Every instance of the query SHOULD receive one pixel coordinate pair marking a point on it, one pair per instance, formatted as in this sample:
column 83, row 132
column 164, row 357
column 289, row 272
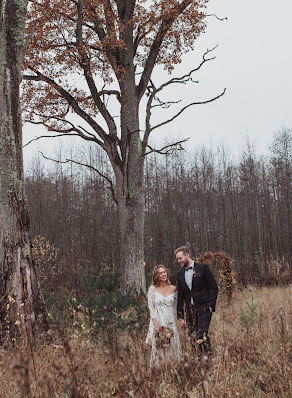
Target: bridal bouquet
column 163, row 336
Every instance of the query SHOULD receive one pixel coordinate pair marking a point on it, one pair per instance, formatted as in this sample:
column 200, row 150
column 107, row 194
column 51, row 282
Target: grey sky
column 253, row 61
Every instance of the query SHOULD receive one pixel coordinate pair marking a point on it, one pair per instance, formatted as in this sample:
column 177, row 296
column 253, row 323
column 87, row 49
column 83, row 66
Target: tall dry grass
column 249, row 360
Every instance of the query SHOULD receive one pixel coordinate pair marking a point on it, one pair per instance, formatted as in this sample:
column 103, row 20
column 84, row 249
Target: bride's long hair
column 155, row 275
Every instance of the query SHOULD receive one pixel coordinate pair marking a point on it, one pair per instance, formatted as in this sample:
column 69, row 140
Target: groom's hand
column 182, row 323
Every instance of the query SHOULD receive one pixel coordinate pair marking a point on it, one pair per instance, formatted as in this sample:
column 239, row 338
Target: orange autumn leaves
column 101, row 39
column 226, row 271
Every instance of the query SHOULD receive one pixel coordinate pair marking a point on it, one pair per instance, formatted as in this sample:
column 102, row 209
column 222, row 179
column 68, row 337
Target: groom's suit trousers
column 198, row 325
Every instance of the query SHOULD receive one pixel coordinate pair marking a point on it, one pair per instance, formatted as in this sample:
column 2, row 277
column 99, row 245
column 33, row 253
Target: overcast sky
column 254, row 63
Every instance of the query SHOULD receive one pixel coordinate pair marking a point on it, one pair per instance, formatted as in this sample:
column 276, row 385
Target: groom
column 198, row 290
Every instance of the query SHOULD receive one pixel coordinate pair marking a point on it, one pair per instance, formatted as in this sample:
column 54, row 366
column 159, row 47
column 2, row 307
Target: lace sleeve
column 151, row 302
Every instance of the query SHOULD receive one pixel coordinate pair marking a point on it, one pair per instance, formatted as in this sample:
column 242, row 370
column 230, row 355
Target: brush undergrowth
column 251, row 337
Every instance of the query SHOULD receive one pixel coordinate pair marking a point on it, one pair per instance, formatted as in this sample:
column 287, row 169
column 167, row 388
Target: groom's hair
column 183, row 249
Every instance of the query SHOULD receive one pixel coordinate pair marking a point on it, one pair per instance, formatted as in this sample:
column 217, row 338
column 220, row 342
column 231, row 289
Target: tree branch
column 125, row 9
column 214, row 15
column 32, row 77
column 110, row 141
column 164, row 104
column 160, row 103
column 73, row 103
column 148, row 115
column 92, row 137
column 110, row 92
column 186, row 107
column 139, row 38
column 85, row 64
column 188, row 77
column 168, row 149
column 97, row 28
column 152, row 92
column 154, row 50
column 49, row 136
column 100, row 105
column 79, row 22
column 109, row 19
column 111, row 185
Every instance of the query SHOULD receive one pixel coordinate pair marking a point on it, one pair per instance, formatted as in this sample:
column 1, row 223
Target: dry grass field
column 252, row 358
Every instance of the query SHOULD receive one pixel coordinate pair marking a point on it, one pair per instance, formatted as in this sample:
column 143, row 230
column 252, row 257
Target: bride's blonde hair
column 155, row 275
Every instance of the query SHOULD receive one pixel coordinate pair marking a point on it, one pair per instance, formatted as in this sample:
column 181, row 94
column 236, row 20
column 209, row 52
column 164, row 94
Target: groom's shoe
column 205, row 347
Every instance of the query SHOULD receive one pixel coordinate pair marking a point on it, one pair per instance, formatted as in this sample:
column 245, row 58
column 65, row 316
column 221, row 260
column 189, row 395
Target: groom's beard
column 186, row 263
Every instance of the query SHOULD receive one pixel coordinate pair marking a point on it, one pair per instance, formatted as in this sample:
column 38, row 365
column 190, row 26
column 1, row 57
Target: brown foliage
column 99, row 39
column 44, row 255
column 226, row 272
column 246, row 362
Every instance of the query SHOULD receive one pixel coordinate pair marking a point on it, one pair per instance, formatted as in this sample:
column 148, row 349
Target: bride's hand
column 156, row 326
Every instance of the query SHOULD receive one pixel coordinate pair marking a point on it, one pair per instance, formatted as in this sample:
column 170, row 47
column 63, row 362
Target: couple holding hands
column 193, row 299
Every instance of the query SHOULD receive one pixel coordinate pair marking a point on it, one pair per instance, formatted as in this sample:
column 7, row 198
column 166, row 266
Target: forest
column 207, row 199
column 92, row 301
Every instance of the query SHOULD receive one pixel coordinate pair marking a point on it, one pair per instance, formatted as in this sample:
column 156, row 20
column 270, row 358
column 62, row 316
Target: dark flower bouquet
column 163, row 336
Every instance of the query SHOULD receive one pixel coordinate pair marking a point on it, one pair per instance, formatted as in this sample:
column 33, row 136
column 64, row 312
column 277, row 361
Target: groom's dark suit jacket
column 204, row 290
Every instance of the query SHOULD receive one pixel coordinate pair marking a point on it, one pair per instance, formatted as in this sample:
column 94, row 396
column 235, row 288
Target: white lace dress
column 163, row 309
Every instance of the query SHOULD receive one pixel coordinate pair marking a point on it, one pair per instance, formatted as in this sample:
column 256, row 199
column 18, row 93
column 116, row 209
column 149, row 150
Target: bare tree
column 281, row 149
column 205, row 198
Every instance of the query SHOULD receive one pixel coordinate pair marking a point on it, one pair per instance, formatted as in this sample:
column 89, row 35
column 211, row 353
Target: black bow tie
column 187, row 268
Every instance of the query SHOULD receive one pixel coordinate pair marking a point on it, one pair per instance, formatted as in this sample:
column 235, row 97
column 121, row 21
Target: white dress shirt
column 189, row 275
column 189, row 278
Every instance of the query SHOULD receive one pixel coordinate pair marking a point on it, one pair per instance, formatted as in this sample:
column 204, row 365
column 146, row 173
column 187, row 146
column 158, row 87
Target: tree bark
column 131, row 222
column 130, row 189
column 21, row 307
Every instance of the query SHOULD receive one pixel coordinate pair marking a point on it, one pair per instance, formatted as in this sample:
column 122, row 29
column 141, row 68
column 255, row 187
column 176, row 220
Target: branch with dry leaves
column 165, row 25
column 70, row 100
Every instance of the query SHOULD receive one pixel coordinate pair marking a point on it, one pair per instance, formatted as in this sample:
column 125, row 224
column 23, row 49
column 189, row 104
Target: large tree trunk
column 21, row 308
column 130, row 190
column 131, row 222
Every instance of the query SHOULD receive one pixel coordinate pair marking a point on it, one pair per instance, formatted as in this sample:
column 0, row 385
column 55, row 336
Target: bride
column 162, row 332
